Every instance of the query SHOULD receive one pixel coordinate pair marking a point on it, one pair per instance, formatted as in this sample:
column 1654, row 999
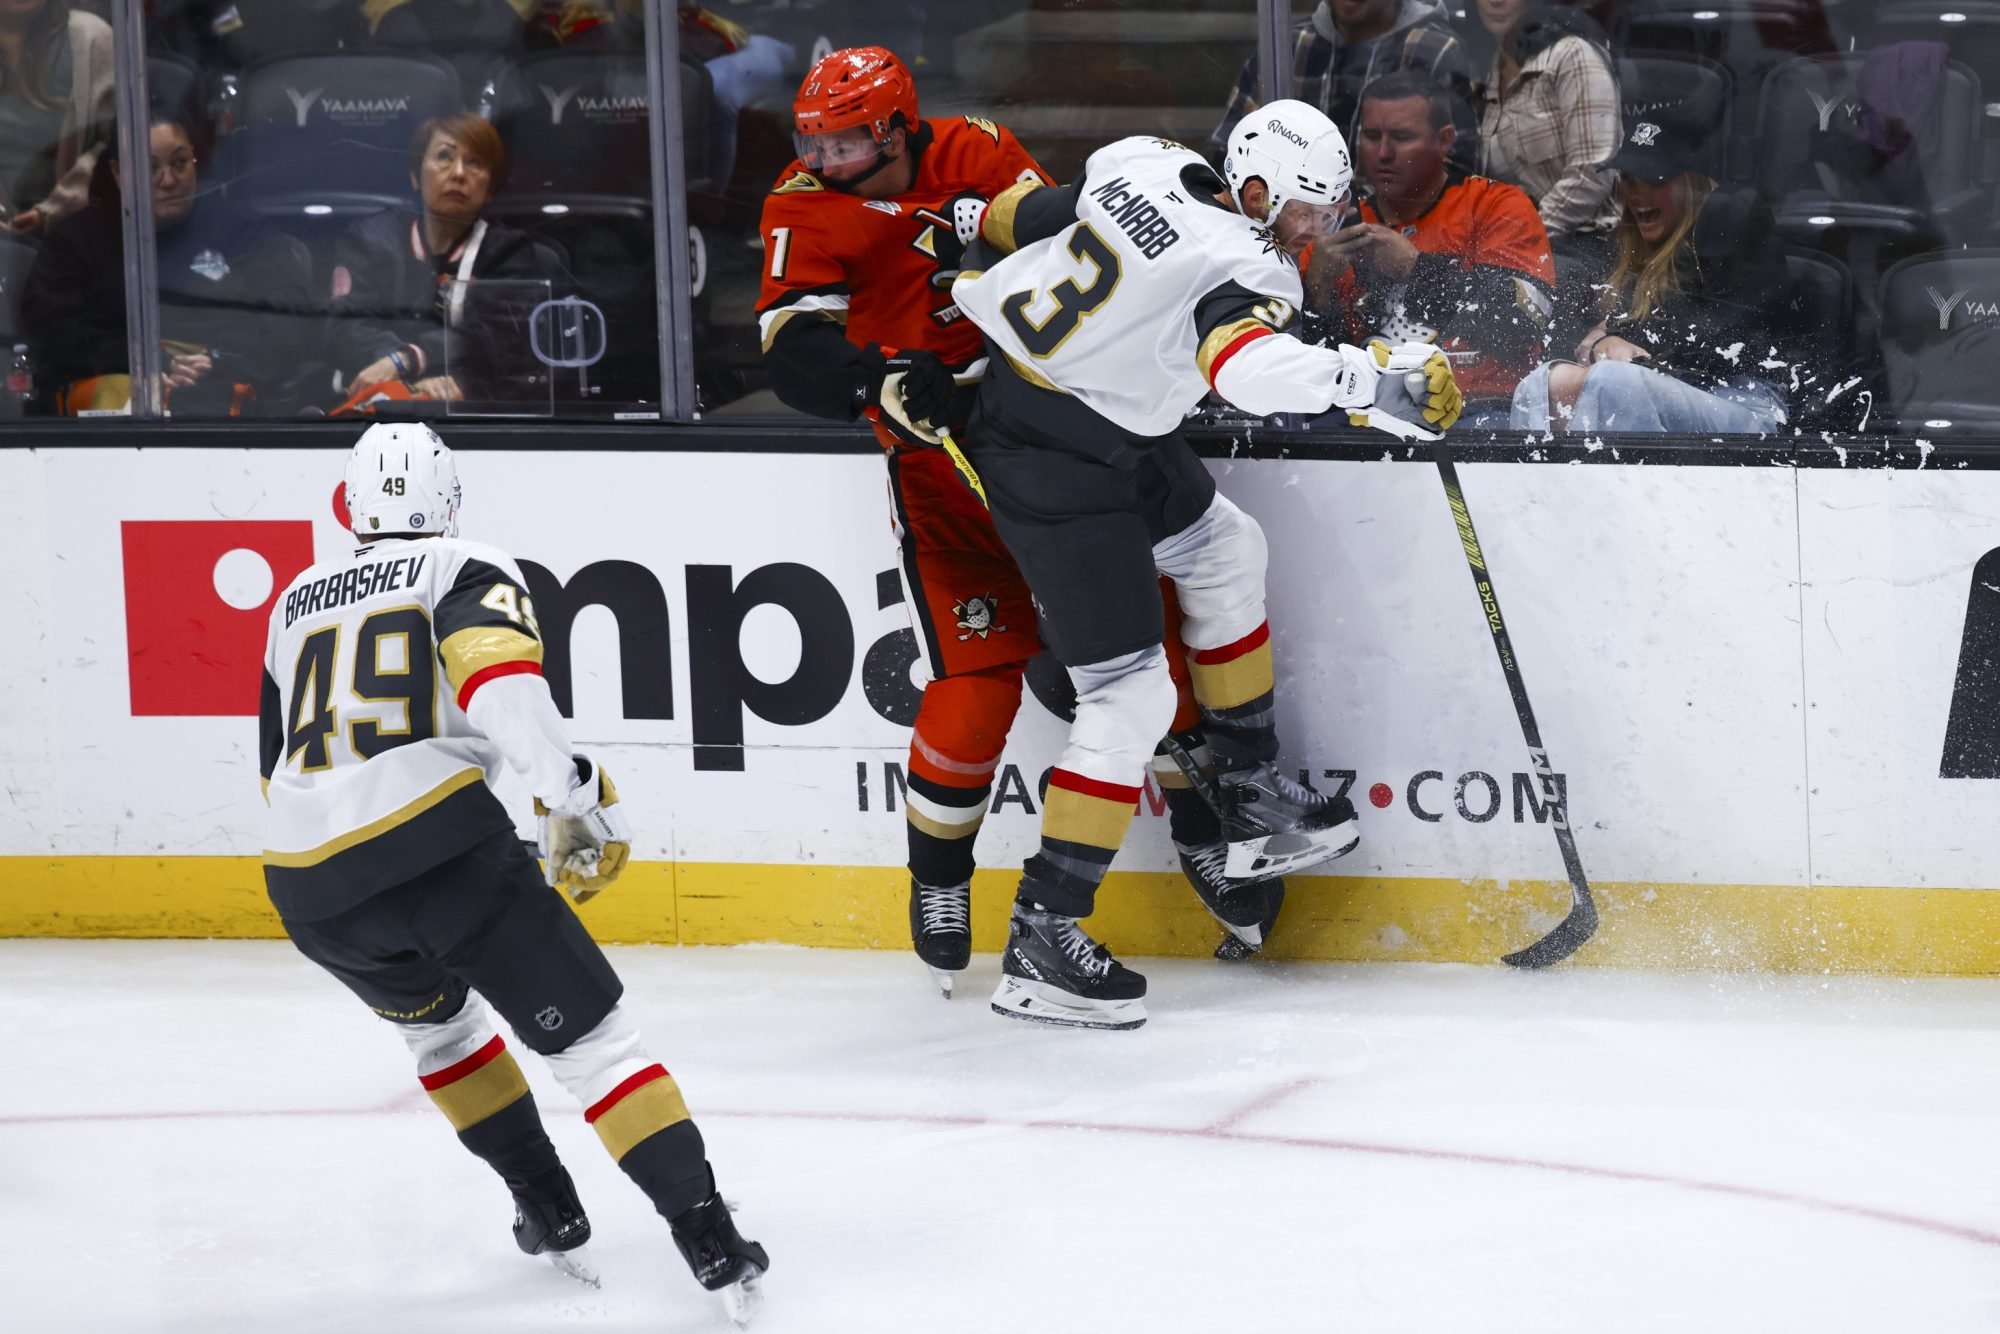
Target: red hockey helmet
column 862, row 88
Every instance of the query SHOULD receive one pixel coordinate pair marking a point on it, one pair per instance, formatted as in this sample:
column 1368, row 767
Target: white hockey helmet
column 1295, row 150
column 401, row 481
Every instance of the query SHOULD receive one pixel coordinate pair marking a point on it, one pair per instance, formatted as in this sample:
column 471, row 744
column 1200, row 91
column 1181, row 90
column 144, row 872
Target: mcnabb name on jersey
column 345, row 586
column 1137, row 216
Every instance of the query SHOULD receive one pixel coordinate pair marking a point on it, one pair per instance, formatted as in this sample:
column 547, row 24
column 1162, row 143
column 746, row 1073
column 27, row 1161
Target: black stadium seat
column 1941, row 340
column 327, row 138
column 576, row 129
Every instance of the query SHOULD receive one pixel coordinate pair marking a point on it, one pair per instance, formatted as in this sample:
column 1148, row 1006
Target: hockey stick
column 963, row 464
column 1576, row 928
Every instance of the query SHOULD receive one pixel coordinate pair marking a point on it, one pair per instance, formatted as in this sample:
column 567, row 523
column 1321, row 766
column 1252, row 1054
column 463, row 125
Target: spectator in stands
column 403, row 282
column 235, row 298
column 1344, row 45
column 1698, row 333
column 1551, row 117
column 56, row 109
column 1436, row 254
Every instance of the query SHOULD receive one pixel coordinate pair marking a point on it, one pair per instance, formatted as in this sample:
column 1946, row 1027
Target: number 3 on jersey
column 1072, row 302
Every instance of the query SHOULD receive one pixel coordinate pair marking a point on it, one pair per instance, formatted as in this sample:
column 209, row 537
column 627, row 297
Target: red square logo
column 198, row 598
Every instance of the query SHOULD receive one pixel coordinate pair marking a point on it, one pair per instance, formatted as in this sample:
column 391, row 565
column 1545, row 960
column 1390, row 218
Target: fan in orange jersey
column 857, row 319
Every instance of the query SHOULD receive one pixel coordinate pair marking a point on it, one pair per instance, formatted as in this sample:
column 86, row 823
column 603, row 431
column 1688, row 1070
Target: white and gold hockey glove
column 586, row 840
column 1416, row 396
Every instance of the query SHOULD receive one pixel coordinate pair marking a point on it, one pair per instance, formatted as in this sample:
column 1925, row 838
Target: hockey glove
column 586, row 840
column 965, row 212
column 915, row 387
column 1416, row 395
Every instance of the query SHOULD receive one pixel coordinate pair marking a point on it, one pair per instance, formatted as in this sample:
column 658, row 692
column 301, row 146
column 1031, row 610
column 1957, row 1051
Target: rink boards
column 1773, row 695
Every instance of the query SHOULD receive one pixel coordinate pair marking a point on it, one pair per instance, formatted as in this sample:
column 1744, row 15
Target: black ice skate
column 941, row 930
column 1052, row 973
column 722, row 1261
column 1275, row 826
column 549, row 1220
column 1246, row 909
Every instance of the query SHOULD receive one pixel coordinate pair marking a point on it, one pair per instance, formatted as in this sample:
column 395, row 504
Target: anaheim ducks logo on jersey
column 799, row 182
column 985, row 127
column 976, row 616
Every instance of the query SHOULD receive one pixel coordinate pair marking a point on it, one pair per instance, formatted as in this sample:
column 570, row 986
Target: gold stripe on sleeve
column 478, row 647
column 998, row 224
column 1218, row 339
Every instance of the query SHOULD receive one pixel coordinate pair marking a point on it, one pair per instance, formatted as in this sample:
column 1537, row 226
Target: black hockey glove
column 913, row 387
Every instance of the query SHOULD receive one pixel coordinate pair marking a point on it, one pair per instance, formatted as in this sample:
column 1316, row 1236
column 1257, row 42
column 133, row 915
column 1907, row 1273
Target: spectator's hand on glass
column 28, row 222
column 440, row 387
column 1385, row 253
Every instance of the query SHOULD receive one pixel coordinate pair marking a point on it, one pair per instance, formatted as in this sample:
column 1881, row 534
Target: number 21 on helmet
column 847, row 107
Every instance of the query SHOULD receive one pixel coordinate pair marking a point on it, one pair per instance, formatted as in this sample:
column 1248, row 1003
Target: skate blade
column 1018, row 998
column 577, row 1264
column 1284, row 854
column 944, row 978
column 1234, row 946
column 742, row 1298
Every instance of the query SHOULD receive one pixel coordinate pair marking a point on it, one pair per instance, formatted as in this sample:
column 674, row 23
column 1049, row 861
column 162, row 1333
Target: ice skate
column 722, row 1260
column 1275, row 826
column 1052, row 973
column 1247, row 909
column 941, row 930
column 549, row 1220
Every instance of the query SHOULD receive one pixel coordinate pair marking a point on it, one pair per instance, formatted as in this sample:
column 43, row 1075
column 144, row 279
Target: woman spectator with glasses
column 236, row 304
column 407, row 321
column 56, row 109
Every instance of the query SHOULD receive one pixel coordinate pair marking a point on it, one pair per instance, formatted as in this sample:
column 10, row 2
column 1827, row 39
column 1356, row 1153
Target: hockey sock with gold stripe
column 486, row 1099
column 645, row 1126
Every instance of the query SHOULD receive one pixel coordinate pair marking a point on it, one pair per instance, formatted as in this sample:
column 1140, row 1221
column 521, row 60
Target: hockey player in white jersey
column 399, row 678
column 1121, row 301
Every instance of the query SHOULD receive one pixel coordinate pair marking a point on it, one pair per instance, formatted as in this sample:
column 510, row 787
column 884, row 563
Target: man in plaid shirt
column 1344, row 44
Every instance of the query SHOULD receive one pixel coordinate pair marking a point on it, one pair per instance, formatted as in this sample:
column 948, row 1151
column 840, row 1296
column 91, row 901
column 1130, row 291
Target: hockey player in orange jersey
column 857, row 320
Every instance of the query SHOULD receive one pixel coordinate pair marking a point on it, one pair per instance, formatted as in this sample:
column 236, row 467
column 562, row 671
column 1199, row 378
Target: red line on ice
column 1220, row 1132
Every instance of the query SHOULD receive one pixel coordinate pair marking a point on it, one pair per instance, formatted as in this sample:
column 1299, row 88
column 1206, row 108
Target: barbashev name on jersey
column 345, row 586
column 1137, row 216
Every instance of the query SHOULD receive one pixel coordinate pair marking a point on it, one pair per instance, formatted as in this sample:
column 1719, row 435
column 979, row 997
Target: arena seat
column 1940, row 335
column 327, row 136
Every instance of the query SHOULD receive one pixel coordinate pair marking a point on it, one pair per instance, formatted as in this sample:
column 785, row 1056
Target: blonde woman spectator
column 56, row 109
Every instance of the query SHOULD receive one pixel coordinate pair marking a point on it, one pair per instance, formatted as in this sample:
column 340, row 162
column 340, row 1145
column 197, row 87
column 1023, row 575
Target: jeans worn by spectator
column 1627, row 397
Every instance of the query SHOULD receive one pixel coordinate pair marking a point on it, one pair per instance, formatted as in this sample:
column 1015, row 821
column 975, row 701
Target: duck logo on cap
column 1645, row 134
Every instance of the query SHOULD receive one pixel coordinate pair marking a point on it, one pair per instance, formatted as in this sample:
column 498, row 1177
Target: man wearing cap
column 1437, row 256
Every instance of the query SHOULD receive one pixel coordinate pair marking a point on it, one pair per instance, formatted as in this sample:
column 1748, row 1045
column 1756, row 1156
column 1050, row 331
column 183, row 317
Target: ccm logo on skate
column 198, row 595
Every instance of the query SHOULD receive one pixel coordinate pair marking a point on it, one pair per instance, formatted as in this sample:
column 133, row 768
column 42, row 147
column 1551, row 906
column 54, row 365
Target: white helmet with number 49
column 402, row 482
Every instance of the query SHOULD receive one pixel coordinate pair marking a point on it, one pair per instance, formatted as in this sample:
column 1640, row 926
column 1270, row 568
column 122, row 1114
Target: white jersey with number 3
column 1136, row 306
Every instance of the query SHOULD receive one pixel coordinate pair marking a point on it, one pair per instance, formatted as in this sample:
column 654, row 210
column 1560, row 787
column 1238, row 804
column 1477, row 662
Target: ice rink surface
column 215, row 1137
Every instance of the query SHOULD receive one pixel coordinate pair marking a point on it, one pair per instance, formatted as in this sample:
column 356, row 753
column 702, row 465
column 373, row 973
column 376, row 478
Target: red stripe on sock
column 1250, row 643
column 619, row 1094
column 1091, row 787
column 485, row 674
column 451, row 1074
column 1235, row 345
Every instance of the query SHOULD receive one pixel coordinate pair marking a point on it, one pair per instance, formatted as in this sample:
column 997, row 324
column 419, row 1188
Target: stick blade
column 1559, row 944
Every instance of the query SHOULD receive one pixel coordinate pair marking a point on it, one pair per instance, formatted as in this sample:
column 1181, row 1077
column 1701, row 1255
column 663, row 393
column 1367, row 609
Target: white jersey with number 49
column 397, row 679
column 1139, row 306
